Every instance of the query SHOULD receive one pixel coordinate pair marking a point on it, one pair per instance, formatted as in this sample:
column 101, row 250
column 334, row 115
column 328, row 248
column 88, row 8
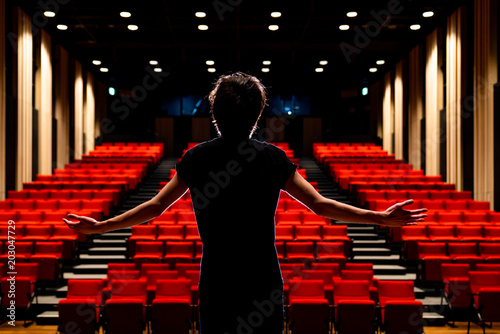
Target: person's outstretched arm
column 304, row 192
column 141, row 213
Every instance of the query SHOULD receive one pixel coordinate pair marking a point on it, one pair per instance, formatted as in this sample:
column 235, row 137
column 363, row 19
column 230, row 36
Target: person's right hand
column 397, row 216
column 86, row 225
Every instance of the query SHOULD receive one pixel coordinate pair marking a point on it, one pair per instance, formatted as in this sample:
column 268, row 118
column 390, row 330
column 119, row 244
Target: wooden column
column 485, row 76
column 24, row 99
column 78, row 111
column 415, row 106
column 433, row 104
column 398, row 110
column 61, row 106
column 388, row 114
column 89, row 114
column 43, row 103
column 2, row 103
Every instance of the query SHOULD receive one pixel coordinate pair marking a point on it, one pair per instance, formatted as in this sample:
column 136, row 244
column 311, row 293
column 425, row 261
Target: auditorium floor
column 461, row 327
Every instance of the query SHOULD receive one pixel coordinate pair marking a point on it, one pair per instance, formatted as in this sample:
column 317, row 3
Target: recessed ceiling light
column 352, row 14
column 132, row 27
column 157, row 69
column 125, row 14
column 211, row 69
column 428, row 14
column 415, row 26
column 273, row 27
column 276, row 14
column 202, row 27
column 200, row 14
column 210, row 62
column 266, row 62
column 319, row 69
column 96, row 62
column 62, row 27
column 344, row 27
column 265, row 69
column 373, row 69
column 380, row 62
column 49, row 13
column 104, row 69
column 323, row 62
column 153, row 62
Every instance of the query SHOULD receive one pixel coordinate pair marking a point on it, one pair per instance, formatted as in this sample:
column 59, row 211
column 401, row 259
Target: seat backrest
column 194, row 276
column 454, row 270
column 144, row 230
column 27, row 270
column 395, row 290
column 431, row 248
column 332, row 267
column 438, row 230
column 129, row 288
column 300, row 247
column 416, row 230
column 306, row 288
column 359, row 266
column 122, row 275
column 90, row 289
column 338, row 230
column 462, row 248
column 489, row 248
column 470, row 230
column 49, row 247
column 149, row 247
column 350, row 290
column 492, row 231
column 487, row 267
column 153, row 276
column 146, row 267
column 359, row 275
column 121, row 266
column 178, row 247
column 483, row 279
column 330, row 247
column 324, row 275
column 180, row 287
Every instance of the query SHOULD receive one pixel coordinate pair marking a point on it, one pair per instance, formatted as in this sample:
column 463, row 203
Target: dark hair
column 236, row 104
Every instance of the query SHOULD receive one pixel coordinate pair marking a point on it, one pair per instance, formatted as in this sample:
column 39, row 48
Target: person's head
column 236, row 104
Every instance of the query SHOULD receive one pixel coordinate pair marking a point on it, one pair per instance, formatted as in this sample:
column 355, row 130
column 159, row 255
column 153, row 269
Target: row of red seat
column 41, row 206
column 64, row 194
column 452, row 198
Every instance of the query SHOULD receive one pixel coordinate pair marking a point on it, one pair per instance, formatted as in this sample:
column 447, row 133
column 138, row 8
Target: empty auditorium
column 249, row 167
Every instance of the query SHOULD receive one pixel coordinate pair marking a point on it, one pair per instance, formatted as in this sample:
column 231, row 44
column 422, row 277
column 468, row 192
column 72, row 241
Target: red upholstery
column 308, row 307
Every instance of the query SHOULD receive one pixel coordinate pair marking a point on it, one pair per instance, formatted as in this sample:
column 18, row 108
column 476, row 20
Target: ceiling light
column 157, row 69
column 364, row 91
column 111, row 91
column 380, row 62
column 415, row 26
column 276, row 14
column 210, row 62
column 132, row 27
column 125, row 14
column 265, row 69
column 319, row 69
column 352, row 14
column 153, row 62
column 96, row 62
column 200, row 14
column 49, row 13
column 266, row 62
column 202, row 27
column 104, row 69
column 344, row 27
column 428, row 14
column 323, row 62
column 211, row 69
column 273, row 27
column 373, row 69
column 62, row 27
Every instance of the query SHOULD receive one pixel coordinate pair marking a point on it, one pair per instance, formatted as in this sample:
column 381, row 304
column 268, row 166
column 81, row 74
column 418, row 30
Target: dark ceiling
column 238, row 38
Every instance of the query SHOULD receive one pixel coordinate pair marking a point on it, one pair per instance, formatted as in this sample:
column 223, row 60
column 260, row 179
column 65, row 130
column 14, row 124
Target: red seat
column 455, row 277
column 331, row 251
column 289, row 218
column 482, row 279
column 147, row 267
column 310, row 218
column 68, row 237
column 148, row 251
column 308, row 307
column 301, row 251
column 355, row 312
column 183, row 267
column 284, row 233
column 492, row 233
column 128, row 297
column 178, row 251
column 487, row 267
column 463, row 252
column 470, row 233
column 362, row 275
column 171, row 310
column 490, row 252
column 441, row 233
column 170, row 232
column 401, row 313
column 48, row 255
column 37, row 232
column 192, row 233
column 411, row 235
column 308, row 233
column 194, row 276
column 488, row 306
column 152, row 278
column 432, row 254
column 23, row 251
column 83, row 295
column 323, row 275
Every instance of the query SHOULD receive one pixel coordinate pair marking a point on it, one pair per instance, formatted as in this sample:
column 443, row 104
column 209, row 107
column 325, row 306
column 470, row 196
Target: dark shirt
column 235, row 187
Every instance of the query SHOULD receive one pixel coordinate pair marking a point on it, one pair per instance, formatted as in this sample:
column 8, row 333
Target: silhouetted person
column 235, row 183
